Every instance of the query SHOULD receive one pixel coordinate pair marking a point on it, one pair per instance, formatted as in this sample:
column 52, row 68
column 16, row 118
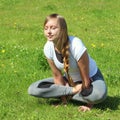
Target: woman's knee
column 99, row 97
column 33, row 90
column 98, row 94
column 30, row 90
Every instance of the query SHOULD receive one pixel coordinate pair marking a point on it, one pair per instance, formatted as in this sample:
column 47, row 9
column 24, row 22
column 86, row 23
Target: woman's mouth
column 50, row 36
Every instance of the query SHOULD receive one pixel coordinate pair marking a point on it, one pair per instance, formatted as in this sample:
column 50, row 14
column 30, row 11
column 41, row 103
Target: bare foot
column 63, row 102
column 56, row 105
column 59, row 104
column 83, row 108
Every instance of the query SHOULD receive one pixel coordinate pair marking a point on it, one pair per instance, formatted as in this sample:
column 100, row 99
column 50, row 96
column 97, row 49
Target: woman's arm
column 58, row 78
column 83, row 64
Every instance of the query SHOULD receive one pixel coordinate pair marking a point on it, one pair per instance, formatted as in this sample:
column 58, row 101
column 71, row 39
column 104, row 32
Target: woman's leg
column 99, row 91
column 46, row 88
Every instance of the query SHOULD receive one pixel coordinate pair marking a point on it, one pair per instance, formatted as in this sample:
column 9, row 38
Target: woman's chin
column 50, row 40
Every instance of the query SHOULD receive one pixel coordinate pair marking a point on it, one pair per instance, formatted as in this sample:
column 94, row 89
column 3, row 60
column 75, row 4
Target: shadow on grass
column 111, row 102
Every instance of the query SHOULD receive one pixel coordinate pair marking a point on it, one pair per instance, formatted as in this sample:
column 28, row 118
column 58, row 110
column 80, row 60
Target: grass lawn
column 96, row 22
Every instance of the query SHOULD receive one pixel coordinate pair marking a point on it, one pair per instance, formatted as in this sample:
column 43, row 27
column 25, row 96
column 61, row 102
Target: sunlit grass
column 22, row 61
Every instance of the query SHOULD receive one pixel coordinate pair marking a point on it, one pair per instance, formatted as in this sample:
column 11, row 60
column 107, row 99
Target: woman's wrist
column 86, row 84
column 87, row 91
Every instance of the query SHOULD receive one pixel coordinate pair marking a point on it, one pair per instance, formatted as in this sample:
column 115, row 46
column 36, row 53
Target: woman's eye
column 45, row 28
column 54, row 28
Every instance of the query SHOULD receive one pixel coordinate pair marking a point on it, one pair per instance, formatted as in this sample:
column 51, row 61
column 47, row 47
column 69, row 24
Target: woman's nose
column 49, row 30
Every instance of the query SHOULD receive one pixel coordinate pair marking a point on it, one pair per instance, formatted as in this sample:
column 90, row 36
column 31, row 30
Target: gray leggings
column 47, row 89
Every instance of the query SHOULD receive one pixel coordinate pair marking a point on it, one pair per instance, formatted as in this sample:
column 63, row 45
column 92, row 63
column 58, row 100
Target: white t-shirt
column 76, row 50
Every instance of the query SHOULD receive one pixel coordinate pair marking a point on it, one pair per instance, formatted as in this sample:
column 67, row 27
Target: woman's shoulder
column 73, row 38
column 77, row 48
column 48, row 49
column 75, row 41
column 48, row 45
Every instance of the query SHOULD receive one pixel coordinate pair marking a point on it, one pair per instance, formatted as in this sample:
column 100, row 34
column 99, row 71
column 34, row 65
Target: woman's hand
column 87, row 91
column 77, row 88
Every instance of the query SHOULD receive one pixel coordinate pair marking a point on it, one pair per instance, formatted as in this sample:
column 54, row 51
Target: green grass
column 96, row 22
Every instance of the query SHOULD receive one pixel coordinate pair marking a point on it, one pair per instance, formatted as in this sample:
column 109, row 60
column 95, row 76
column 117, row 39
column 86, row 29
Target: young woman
column 75, row 73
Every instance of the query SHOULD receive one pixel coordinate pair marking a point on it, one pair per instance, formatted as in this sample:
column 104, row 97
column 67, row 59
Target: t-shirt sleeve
column 78, row 48
column 48, row 50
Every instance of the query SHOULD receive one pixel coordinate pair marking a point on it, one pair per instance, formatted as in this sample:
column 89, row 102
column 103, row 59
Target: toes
column 84, row 108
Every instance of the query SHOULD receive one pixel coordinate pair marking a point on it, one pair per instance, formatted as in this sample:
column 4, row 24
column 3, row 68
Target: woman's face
column 52, row 30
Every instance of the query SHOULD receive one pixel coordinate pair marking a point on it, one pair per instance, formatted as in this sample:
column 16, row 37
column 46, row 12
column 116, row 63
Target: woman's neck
column 57, row 50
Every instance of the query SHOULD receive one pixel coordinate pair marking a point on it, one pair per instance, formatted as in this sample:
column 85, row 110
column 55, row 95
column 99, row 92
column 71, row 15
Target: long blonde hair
column 62, row 43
